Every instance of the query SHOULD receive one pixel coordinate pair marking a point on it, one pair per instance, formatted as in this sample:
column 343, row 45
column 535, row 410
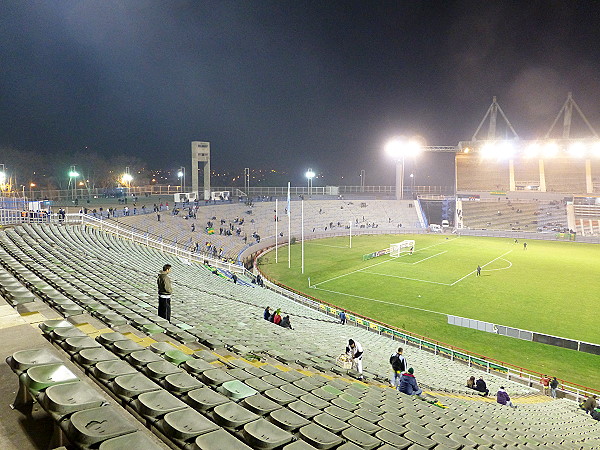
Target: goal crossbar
column 406, row 246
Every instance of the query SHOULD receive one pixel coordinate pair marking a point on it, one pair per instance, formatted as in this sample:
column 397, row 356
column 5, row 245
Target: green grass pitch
column 551, row 287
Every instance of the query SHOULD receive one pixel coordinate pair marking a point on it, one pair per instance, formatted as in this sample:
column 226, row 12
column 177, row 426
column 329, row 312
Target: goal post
column 397, row 250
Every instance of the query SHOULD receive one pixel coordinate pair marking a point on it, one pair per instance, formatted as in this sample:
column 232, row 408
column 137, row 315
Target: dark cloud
column 288, row 84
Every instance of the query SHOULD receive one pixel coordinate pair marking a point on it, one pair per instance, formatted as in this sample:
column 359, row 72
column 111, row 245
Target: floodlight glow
column 127, row 178
column 180, row 174
column 596, row 149
column 413, row 148
column 550, row 150
column 488, row 150
column 310, row 174
column 2, row 178
column 394, row 148
column 532, row 150
column 577, row 150
column 506, row 150
column 73, row 174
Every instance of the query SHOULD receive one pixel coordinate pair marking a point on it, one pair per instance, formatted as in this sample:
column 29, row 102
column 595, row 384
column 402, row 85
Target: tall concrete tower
column 201, row 164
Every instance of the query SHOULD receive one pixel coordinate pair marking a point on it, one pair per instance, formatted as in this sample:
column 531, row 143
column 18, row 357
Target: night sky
column 288, row 84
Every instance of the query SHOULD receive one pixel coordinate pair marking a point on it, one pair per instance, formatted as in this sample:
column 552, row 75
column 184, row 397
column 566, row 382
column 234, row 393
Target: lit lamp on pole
column 2, row 178
column 398, row 149
column 126, row 179
column 310, row 174
column 181, row 175
column 73, row 175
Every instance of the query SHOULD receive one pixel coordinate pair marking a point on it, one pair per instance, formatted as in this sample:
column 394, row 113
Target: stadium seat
column 264, row 435
column 319, row 437
column 91, row 426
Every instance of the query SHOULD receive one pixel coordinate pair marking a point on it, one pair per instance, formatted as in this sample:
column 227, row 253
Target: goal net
column 396, row 250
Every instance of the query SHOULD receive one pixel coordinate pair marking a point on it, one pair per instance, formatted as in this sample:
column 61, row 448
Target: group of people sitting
column 502, row 396
column 276, row 318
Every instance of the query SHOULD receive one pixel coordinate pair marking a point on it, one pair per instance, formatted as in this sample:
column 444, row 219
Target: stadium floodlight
column 310, row 174
column 506, row 150
column 127, row 178
column 532, row 150
column 73, row 174
column 2, row 175
column 398, row 148
column 488, row 151
column 577, row 150
column 550, row 149
column 181, row 176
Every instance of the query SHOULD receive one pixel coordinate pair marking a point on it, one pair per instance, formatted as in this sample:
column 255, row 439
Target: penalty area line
column 381, row 301
column 382, row 262
column 486, row 264
column 406, row 278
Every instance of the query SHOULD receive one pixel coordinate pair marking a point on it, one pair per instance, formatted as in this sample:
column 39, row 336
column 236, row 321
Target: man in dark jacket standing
column 398, row 363
column 164, row 293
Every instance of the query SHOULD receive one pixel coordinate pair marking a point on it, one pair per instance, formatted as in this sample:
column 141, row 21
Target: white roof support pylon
column 567, row 110
column 492, row 113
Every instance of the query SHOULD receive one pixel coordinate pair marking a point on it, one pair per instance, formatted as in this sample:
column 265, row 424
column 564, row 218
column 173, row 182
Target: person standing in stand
column 355, row 351
column 398, row 363
column 165, row 291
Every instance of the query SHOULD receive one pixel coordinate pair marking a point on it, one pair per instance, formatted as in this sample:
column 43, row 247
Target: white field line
column 501, row 268
column 377, row 264
column 471, row 273
column 380, row 301
column 327, row 245
column 432, row 256
column 406, row 278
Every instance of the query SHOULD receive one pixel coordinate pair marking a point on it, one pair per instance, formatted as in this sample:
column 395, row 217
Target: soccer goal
column 396, row 250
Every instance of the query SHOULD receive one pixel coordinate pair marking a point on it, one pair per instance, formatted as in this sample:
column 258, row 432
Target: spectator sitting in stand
column 267, row 313
column 590, row 404
column 408, row 383
column 285, row 323
column 481, row 387
column 471, row 383
column 277, row 316
column 503, row 398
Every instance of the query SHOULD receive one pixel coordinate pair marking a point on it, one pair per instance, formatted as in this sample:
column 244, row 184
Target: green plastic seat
column 38, row 378
column 128, row 387
column 293, row 390
column 90, row 356
column 24, row 359
column 290, row 376
column 319, row 437
column 265, row 435
column 137, row 440
column 60, row 334
column 152, row 328
column 274, row 381
column 142, row 358
column 360, row 438
column 91, row 426
column 215, row 377
column 231, row 415
column 204, row 399
column 160, row 369
column 157, row 403
column 109, row 339
column 176, row 356
column 185, row 424
column 364, row 425
column 287, row 420
column 196, row 365
column 63, row 399
column 340, row 413
column 260, row 405
column 74, row 345
column 109, row 370
column 314, row 401
column 330, row 423
column 219, row 440
column 304, row 409
column 236, row 390
column 180, row 383
column 126, row 347
column 340, row 402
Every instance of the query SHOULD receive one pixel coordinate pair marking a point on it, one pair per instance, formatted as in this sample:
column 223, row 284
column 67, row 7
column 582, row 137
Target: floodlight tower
column 73, row 175
column 310, row 174
column 127, row 179
column 181, row 176
column 398, row 149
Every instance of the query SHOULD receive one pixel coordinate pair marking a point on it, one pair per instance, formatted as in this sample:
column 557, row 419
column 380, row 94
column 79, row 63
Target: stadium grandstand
column 90, row 364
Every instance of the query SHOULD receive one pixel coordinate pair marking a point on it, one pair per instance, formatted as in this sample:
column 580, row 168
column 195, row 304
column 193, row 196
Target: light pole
column 2, row 178
column 309, row 176
column 126, row 179
column 362, row 180
column 73, row 175
column 181, row 175
column 412, row 184
column 398, row 148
